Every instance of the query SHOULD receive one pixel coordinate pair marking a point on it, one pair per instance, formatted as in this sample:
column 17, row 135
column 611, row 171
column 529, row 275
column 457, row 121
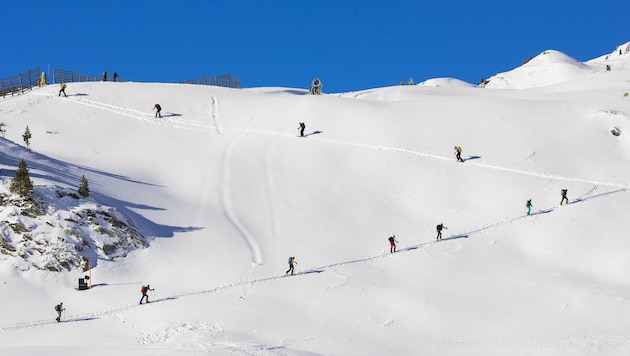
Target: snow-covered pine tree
column 84, row 189
column 22, row 183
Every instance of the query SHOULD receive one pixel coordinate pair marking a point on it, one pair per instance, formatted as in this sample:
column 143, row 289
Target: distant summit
column 548, row 68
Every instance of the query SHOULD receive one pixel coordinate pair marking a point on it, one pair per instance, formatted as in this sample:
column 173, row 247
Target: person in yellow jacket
column 458, row 154
column 63, row 89
column 291, row 267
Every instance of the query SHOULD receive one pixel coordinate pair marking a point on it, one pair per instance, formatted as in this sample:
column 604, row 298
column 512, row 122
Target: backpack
column 143, row 289
column 391, row 239
column 58, row 307
column 564, row 192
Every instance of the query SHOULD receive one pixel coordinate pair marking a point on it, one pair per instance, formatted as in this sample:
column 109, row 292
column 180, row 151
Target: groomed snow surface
column 225, row 192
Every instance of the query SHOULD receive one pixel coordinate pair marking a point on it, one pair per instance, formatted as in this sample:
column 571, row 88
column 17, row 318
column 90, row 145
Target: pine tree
column 27, row 137
column 84, row 190
column 22, row 183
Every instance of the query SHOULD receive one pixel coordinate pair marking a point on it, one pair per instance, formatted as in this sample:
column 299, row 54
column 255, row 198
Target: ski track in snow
column 182, row 123
column 588, row 340
column 215, row 116
column 165, row 120
column 226, row 202
column 476, row 164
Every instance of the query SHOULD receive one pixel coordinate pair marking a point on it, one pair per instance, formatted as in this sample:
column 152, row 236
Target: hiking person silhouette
column 458, row 153
column 291, row 267
column 564, row 196
column 63, row 89
column 529, row 206
column 144, row 291
column 392, row 243
column 59, row 308
column 301, row 128
column 439, row 231
column 158, row 110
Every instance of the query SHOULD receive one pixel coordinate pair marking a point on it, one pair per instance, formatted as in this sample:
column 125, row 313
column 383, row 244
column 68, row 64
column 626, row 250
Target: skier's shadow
column 314, row 133
column 470, row 158
column 540, row 212
column 81, row 319
column 170, row 114
column 455, row 237
column 313, row 271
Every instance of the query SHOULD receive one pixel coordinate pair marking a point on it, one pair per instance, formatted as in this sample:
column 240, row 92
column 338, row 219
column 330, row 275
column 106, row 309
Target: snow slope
column 226, row 192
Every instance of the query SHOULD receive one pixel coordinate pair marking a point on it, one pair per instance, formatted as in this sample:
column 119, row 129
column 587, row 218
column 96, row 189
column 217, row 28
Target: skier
column 392, row 243
column 63, row 89
column 301, row 128
column 291, row 263
column 105, row 75
column 144, row 291
column 458, row 153
column 564, row 196
column 529, row 206
column 115, row 76
column 439, row 231
column 59, row 308
column 158, row 110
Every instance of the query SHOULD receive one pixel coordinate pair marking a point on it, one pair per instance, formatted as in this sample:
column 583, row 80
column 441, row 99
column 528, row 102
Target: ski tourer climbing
column 158, row 110
column 564, row 196
column 529, row 206
column 59, row 309
column 458, row 153
column 144, row 290
column 63, row 89
column 291, row 265
column 301, row 127
column 392, row 243
column 439, row 229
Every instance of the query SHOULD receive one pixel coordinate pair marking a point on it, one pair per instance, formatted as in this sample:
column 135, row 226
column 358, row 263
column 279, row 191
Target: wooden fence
column 67, row 76
column 20, row 83
column 225, row 80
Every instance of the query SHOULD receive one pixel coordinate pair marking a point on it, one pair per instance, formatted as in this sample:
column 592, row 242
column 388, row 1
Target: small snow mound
column 548, row 68
column 446, row 82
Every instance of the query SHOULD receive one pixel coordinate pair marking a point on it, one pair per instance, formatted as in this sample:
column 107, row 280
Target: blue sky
column 349, row 45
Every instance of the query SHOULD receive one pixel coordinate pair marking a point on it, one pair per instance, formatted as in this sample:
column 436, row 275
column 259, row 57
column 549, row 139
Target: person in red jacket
column 144, row 291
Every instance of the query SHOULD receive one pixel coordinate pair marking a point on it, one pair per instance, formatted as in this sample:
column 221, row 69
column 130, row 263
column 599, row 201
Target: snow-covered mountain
column 222, row 191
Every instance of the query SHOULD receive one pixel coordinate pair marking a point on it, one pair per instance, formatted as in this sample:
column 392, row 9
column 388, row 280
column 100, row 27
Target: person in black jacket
column 392, row 243
column 59, row 309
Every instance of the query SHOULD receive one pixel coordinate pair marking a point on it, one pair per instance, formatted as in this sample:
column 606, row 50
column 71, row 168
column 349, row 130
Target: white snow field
column 225, row 192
